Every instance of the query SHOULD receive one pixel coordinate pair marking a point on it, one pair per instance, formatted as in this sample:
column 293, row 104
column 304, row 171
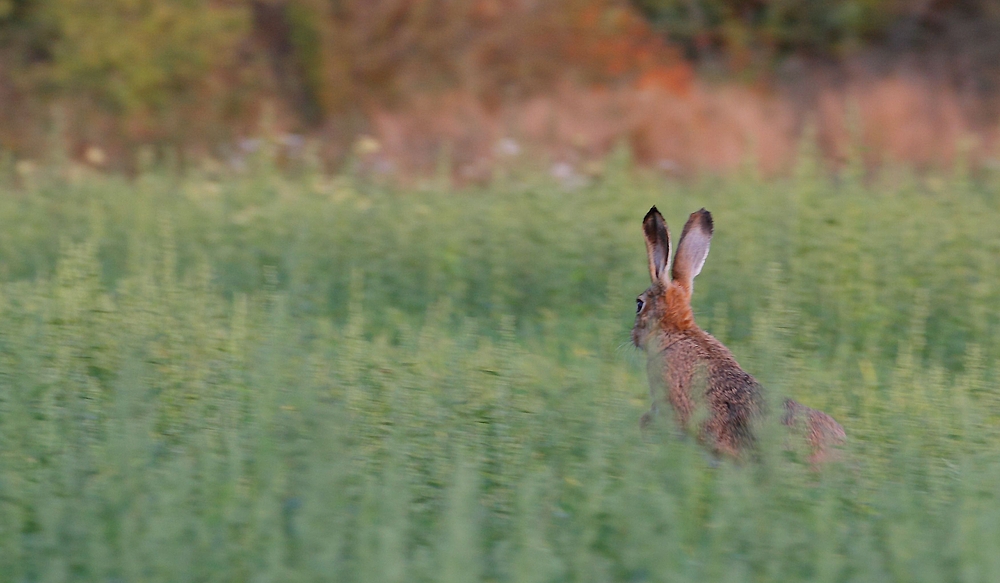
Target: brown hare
column 693, row 371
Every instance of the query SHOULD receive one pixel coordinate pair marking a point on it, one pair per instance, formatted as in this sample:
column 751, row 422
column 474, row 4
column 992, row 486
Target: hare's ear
column 657, row 245
column 693, row 248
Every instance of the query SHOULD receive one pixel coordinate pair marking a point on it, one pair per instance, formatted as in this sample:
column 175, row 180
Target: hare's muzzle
column 637, row 338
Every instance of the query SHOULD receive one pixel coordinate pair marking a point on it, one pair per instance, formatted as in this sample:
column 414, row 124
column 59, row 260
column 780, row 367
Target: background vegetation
column 197, row 74
column 194, row 78
column 827, row 27
column 288, row 376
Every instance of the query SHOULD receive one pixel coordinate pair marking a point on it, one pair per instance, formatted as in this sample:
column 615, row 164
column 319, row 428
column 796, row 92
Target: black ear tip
column 652, row 212
column 706, row 219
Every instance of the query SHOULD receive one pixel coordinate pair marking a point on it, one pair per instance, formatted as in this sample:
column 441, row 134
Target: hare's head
column 666, row 306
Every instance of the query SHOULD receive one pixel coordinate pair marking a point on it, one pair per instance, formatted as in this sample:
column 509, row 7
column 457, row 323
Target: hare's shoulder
column 713, row 349
column 687, row 343
column 698, row 344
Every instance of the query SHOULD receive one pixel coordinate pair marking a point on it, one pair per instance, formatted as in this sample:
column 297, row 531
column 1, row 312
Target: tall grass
column 274, row 377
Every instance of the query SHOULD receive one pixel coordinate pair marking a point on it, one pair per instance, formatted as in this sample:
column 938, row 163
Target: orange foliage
column 677, row 79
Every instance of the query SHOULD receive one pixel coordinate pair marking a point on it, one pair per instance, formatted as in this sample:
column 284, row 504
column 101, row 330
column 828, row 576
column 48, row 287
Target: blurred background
column 688, row 85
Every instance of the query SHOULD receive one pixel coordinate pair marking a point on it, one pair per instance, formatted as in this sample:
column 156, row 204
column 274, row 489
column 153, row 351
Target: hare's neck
column 677, row 314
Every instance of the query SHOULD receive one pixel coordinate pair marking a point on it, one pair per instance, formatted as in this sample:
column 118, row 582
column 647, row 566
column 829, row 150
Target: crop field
column 290, row 376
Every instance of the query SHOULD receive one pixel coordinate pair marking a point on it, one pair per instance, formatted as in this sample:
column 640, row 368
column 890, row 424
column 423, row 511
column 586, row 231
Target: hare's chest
column 681, row 370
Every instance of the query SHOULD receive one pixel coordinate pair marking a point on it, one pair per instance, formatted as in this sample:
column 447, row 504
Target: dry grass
column 686, row 125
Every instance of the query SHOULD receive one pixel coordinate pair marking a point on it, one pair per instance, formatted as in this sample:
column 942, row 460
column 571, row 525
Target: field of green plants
column 287, row 376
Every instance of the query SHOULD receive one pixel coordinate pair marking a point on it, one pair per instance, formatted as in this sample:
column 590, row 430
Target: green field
column 286, row 376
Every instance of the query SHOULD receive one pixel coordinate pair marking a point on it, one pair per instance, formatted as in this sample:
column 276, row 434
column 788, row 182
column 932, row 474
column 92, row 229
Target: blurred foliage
column 134, row 55
column 195, row 72
column 199, row 76
column 740, row 25
column 818, row 27
column 144, row 63
column 217, row 377
column 357, row 51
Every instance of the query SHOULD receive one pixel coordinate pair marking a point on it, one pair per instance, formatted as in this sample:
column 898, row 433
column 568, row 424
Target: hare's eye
column 639, row 304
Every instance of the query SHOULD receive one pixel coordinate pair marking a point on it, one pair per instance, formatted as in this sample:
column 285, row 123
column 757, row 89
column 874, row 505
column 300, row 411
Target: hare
column 695, row 370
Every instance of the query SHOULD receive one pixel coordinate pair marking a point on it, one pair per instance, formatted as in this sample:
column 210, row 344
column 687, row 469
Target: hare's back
column 733, row 387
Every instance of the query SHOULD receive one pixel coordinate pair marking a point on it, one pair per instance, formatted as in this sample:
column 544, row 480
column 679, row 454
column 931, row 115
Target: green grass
column 299, row 378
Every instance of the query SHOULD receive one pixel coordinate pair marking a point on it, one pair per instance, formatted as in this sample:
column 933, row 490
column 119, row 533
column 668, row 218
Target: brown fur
column 679, row 353
column 821, row 431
